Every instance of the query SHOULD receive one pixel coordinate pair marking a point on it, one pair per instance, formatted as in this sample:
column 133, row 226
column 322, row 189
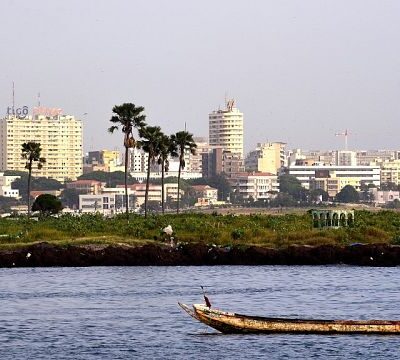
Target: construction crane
column 345, row 134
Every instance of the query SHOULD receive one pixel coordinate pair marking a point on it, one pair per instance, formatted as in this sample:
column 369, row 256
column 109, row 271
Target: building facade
column 333, row 178
column 256, row 185
column 367, row 157
column 390, row 171
column 103, row 160
column 93, row 187
column 60, row 138
column 384, row 197
column 155, row 192
column 108, row 203
column 226, row 128
column 346, row 158
column 206, row 192
column 5, row 186
column 220, row 161
column 267, row 157
column 137, row 159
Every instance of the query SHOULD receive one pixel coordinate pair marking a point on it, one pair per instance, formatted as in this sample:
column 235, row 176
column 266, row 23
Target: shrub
column 237, row 234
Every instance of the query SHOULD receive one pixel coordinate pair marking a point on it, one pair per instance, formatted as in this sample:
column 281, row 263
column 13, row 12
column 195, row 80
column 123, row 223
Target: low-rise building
column 155, row 192
column 5, row 186
column 368, row 157
column 384, row 197
column 106, row 203
column 206, row 192
column 7, row 191
column 86, row 186
column 255, row 185
column 332, row 178
column 390, row 171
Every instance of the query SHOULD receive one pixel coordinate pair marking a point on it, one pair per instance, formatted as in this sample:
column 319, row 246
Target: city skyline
column 299, row 72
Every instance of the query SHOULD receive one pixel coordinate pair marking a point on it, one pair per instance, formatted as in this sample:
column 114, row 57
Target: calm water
column 132, row 312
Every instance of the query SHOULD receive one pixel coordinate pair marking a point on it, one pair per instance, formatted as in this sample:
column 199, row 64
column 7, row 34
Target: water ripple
column 131, row 312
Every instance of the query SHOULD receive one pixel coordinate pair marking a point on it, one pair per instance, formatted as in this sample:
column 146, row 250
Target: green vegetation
column 31, row 152
column 167, row 148
column 276, row 231
column 112, row 179
column 47, row 204
column 219, row 182
column 184, row 143
column 348, row 195
column 150, row 143
column 127, row 117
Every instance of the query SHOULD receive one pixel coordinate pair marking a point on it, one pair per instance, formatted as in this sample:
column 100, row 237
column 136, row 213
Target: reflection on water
column 132, row 312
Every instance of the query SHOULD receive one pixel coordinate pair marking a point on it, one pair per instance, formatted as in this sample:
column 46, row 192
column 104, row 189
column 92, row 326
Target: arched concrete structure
column 332, row 218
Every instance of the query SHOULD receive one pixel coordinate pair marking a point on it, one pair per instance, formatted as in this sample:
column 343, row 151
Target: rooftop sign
column 20, row 113
column 45, row 111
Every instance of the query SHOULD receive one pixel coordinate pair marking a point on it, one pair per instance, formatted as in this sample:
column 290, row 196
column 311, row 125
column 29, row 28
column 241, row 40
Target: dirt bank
column 46, row 255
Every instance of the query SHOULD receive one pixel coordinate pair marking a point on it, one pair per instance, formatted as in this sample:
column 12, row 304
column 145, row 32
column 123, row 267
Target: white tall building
column 138, row 160
column 226, row 128
column 60, row 137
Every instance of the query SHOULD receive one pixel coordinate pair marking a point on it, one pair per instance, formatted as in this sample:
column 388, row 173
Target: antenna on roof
column 185, row 125
column 13, row 96
column 38, row 96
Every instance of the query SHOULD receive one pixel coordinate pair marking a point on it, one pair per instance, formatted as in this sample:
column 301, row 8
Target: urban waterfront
column 132, row 312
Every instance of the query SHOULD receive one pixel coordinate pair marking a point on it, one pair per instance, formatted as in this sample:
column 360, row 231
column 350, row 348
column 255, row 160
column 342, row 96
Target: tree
column 128, row 117
column 289, row 184
column 40, row 183
column 47, row 204
column 150, row 143
column 283, row 200
column 218, row 182
column 31, row 152
column 348, row 195
column 395, row 204
column 184, row 142
column 153, row 206
column 316, row 195
column 6, row 203
column 167, row 148
column 112, row 179
column 389, row 186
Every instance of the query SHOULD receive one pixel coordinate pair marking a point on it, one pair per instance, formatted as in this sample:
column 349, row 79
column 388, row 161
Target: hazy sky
column 300, row 71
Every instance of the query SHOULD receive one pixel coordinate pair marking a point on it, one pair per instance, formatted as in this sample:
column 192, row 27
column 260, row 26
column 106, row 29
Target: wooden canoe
column 230, row 323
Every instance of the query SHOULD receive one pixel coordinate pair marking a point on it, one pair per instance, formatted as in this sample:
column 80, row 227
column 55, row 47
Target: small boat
column 231, row 323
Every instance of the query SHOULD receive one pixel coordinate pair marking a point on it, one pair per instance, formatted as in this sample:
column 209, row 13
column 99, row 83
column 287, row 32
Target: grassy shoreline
column 264, row 230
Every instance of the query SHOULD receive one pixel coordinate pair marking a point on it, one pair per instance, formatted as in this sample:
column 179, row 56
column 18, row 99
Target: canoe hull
column 230, row 323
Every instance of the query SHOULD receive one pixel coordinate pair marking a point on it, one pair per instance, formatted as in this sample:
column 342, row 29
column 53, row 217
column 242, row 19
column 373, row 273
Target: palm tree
column 150, row 143
column 128, row 117
column 167, row 148
column 31, row 152
column 184, row 142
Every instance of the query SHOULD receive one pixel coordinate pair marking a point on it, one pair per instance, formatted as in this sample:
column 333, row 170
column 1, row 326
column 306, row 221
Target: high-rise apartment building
column 60, row 137
column 226, row 129
column 137, row 160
